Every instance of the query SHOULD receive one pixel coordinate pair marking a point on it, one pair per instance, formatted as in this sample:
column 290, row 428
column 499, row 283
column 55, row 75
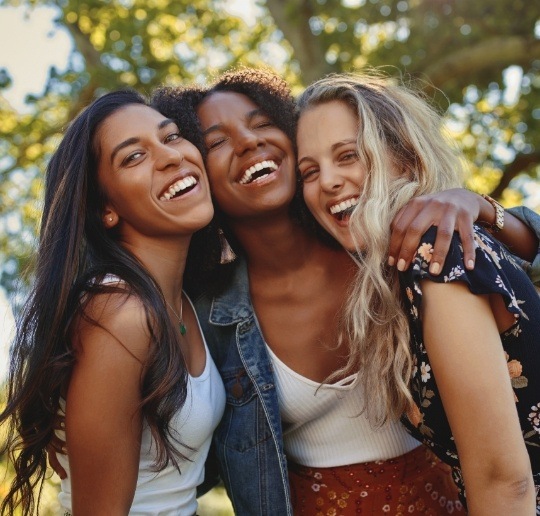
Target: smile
column 258, row 171
column 343, row 209
column 179, row 188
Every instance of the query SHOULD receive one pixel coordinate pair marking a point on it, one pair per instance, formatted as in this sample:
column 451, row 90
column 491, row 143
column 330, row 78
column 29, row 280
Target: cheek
column 216, row 170
column 311, row 197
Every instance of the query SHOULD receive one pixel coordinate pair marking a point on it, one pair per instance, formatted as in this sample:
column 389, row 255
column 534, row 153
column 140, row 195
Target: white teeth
column 180, row 185
column 246, row 178
column 259, row 178
column 342, row 206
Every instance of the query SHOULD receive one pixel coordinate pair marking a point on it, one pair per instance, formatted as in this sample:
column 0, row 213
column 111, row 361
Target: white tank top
column 168, row 493
column 323, row 426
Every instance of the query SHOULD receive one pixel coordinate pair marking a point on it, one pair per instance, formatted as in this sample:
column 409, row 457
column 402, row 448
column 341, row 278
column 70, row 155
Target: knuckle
column 415, row 229
column 445, row 233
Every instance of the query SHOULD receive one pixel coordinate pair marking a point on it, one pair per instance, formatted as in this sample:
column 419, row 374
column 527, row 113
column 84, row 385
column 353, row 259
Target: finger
column 410, row 244
column 466, row 235
column 440, row 248
column 398, row 231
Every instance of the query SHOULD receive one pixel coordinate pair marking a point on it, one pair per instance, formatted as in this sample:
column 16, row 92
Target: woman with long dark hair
column 108, row 339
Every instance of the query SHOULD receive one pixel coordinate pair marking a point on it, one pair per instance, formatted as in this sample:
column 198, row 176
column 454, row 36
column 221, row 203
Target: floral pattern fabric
column 495, row 272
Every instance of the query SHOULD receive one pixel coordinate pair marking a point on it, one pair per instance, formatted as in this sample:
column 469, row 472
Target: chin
column 202, row 218
column 345, row 241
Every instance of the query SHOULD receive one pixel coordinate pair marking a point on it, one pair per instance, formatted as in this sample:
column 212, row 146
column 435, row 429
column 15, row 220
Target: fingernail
column 434, row 268
column 470, row 264
column 391, row 261
column 401, row 265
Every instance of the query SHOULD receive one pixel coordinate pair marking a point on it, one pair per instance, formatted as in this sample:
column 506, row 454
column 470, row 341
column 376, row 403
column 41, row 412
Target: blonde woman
column 437, row 348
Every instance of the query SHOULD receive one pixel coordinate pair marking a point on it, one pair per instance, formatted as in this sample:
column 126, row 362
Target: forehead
column 130, row 121
column 223, row 106
column 330, row 121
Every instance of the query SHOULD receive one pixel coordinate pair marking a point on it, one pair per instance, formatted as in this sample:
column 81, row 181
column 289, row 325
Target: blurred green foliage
column 478, row 61
column 464, row 49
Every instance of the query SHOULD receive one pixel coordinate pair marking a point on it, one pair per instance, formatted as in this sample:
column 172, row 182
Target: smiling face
column 250, row 163
column 153, row 179
column 331, row 172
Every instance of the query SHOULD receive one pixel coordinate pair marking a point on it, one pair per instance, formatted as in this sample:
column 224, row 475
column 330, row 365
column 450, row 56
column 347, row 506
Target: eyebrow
column 250, row 116
column 332, row 148
column 132, row 141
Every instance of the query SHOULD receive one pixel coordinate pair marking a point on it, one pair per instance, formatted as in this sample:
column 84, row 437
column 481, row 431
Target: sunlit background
column 478, row 61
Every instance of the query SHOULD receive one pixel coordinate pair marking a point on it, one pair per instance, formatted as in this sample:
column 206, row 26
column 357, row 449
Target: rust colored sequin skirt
column 414, row 483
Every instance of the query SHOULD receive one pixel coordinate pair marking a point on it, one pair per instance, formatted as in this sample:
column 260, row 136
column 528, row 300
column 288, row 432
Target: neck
column 274, row 244
column 165, row 260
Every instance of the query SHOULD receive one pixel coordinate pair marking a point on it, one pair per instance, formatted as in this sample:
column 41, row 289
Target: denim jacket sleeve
column 248, row 442
column 531, row 219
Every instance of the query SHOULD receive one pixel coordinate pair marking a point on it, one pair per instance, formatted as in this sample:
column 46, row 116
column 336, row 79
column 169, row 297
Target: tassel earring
column 227, row 254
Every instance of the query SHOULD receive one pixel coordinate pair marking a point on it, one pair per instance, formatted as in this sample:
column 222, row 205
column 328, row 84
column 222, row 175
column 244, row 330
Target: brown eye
column 172, row 137
column 349, row 156
column 130, row 158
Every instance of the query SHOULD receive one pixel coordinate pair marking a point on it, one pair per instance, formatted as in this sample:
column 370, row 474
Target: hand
column 450, row 210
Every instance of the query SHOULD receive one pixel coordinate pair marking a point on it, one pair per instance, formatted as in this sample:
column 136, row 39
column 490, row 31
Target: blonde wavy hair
column 405, row 154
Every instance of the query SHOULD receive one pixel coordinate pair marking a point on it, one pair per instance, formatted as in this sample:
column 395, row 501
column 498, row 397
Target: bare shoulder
column 113, row 323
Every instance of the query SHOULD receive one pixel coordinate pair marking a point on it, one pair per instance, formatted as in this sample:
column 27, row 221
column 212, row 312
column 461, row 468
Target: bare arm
column 453, row 210
column 103, row 418
column 466, row 355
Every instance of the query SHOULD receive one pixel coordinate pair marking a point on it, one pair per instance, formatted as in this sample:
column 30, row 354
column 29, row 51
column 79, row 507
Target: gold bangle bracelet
column 498, row 225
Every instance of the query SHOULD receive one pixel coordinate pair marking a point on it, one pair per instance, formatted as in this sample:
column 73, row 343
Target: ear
column 110, row 218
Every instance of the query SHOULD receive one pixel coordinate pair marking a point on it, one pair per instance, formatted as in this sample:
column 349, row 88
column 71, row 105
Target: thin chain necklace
column 182, row 326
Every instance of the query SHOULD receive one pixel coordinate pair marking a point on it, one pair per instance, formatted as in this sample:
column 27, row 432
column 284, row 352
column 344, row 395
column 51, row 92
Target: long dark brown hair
column 74, row 255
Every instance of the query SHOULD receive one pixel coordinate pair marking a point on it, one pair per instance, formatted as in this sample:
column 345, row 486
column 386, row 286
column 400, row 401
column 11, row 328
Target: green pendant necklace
column 181, row 325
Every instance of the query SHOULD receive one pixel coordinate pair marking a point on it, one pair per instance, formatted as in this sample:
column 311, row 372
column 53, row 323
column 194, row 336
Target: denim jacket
column 531, row 219
column 248, row 443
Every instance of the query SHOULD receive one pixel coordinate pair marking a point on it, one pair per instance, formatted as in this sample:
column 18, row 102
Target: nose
column 330, row 179
column 168, row 156
column 246, row 140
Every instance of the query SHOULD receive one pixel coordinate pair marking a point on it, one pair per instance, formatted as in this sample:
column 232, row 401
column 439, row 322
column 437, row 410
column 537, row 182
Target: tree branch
column 522, row 163
column 292, row 18
column 93, row 66
column 488, row 54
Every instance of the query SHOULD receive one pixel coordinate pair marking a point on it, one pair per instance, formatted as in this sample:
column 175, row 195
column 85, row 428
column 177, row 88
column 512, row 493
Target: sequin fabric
column 414, row 483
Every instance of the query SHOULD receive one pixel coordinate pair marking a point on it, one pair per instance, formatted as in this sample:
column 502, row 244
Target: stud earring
column 110, row 219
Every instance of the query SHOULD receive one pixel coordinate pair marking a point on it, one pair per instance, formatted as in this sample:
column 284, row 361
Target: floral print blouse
column 495, row 272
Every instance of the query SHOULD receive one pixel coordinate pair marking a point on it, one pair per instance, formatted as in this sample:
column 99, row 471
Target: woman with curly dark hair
column 272, row 317
column 108, row 339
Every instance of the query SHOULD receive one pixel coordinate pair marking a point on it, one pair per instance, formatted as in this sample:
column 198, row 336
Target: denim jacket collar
column 233, row 305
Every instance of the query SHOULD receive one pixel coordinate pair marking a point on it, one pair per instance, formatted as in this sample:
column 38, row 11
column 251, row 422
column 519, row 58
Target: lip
column 253, row 161
column 337, row 218
column 175, row 179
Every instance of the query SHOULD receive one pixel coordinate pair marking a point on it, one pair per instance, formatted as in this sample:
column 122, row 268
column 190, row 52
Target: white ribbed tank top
column 322, row 424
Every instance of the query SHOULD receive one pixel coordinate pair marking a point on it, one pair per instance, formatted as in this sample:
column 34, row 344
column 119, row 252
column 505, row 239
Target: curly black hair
column 273, row 95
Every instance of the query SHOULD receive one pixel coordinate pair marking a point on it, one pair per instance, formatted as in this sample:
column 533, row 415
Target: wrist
column 494, row 222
